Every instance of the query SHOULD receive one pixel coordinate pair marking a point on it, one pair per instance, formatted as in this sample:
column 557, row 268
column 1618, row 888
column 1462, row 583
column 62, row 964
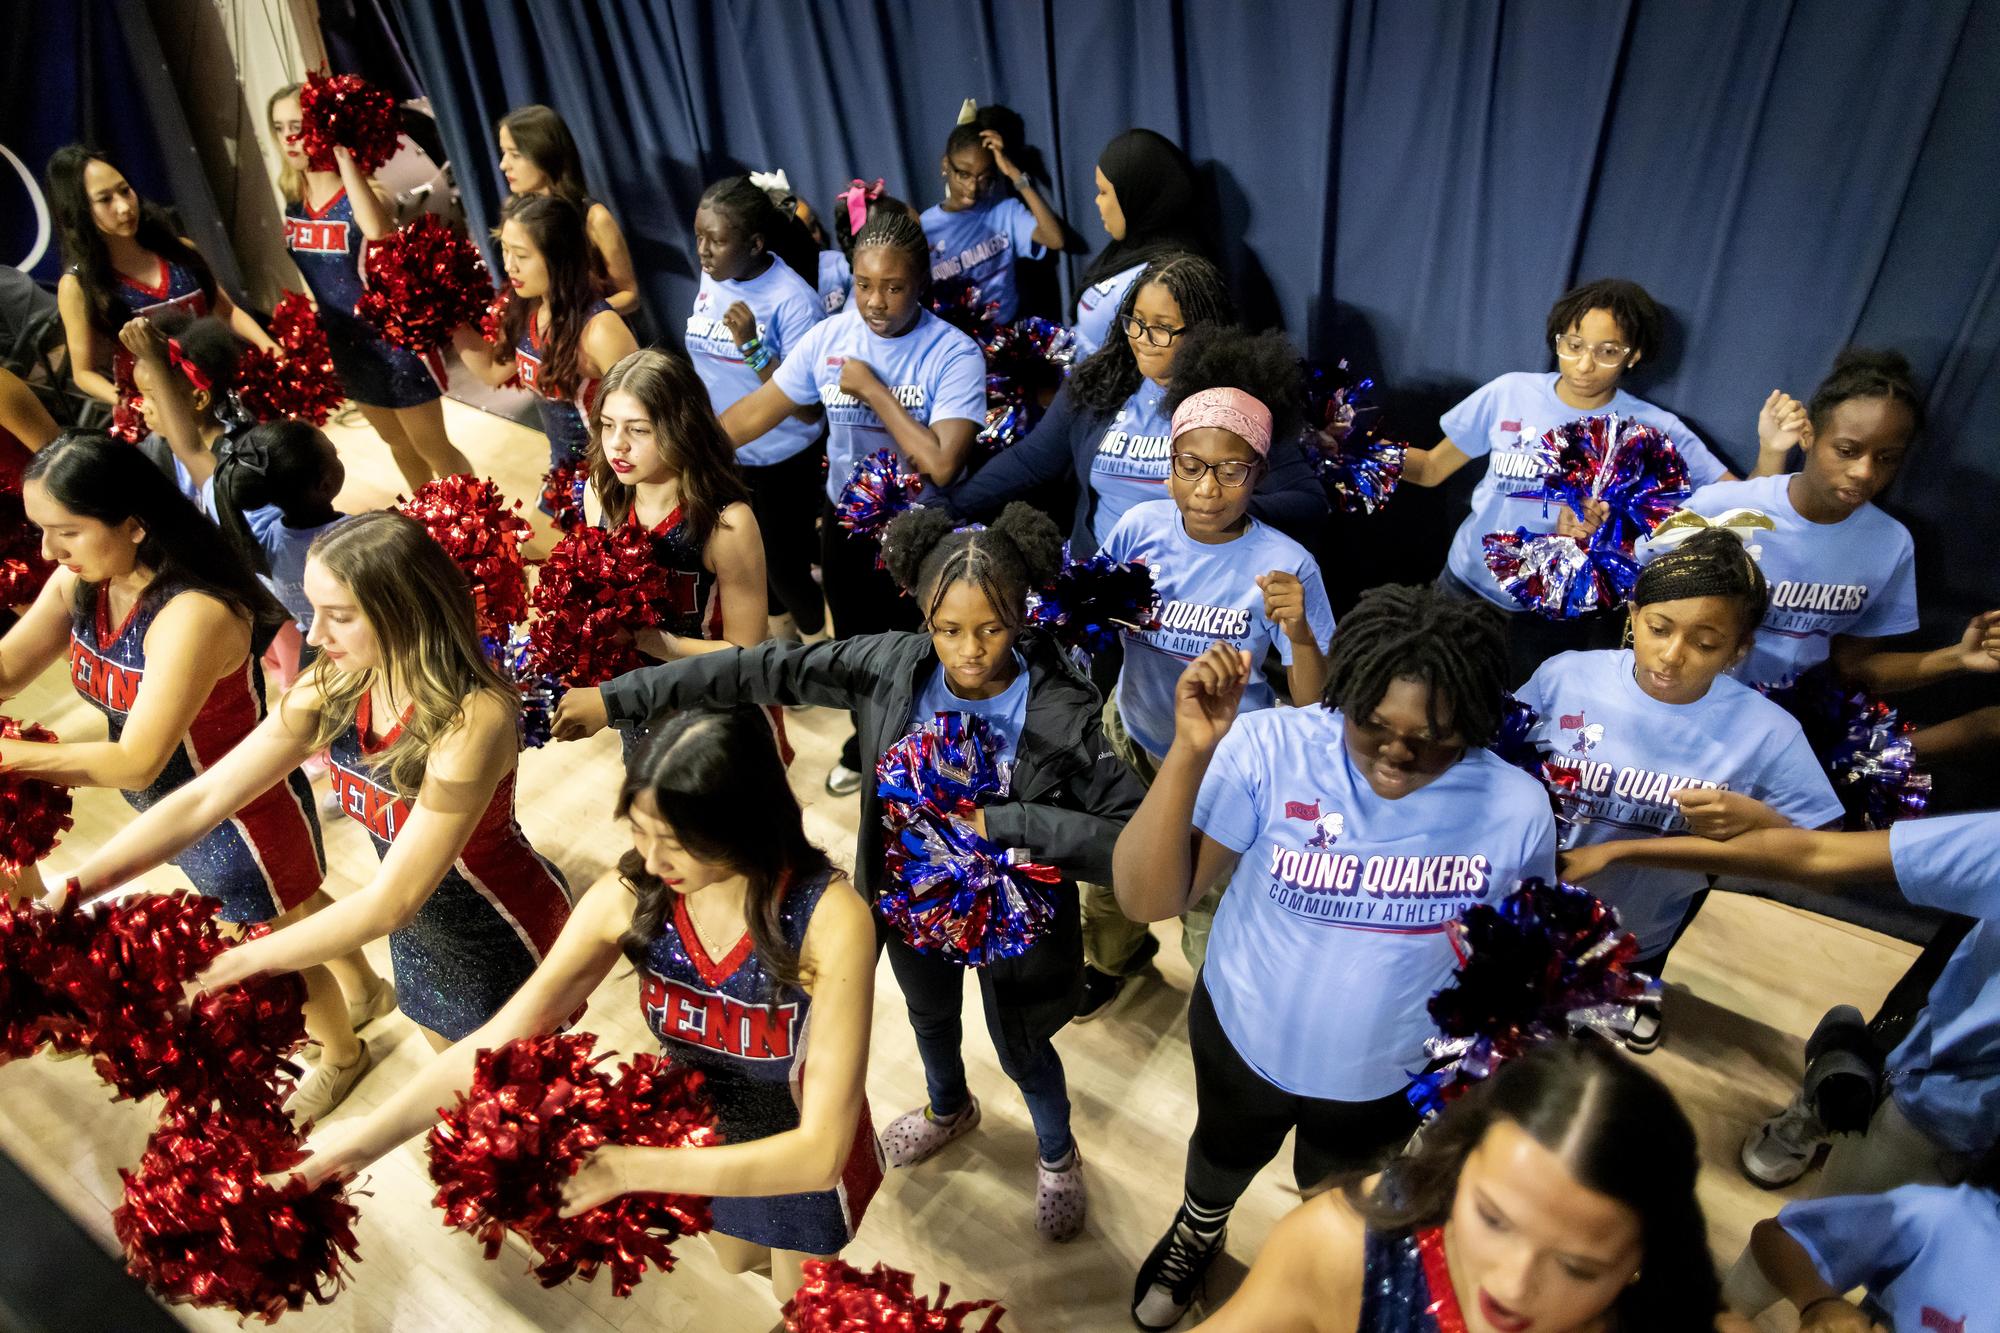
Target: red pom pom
column 202, row 1226
column 837, row 1297
column 33, row 1009
column 425, row 280
column 346, row 111
column 537, row 1107
column 562, row 493
column 23, row 571
column 596, row 587
column 34, row 814
column 301, row 382
column 482, row 531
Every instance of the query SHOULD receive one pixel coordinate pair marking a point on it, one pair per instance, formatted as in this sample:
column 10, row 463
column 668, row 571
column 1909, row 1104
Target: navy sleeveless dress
column 328, row 248
column 566, row 421
column 719, row 1016
column 1407, row 1284
column 495, row 914
column 266, row 858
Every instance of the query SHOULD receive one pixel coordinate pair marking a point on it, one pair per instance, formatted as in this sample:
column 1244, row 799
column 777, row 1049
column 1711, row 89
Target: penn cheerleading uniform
column 493, row 916
column 566, row 421
column 177, row 288
column 329, row 250
column 728, row 1018
column 266, row 858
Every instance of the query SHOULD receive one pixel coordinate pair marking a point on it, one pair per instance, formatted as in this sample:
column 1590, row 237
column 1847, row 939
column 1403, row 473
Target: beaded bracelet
column 755, row 354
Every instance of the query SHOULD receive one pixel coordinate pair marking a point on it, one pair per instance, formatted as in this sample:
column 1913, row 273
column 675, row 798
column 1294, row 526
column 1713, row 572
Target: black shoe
column 1644, row 1038
column 1171, row 1276
column 1101, row 989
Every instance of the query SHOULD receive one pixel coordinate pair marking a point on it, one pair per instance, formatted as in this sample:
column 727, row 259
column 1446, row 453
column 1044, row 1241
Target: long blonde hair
column 291, row 181
column 420, row 607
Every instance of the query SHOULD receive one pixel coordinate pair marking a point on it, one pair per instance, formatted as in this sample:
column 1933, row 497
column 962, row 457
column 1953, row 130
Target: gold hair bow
column 1677, row 527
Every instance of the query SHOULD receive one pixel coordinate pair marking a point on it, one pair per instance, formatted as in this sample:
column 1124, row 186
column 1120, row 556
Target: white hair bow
column 1677, row 527
column 771, row 180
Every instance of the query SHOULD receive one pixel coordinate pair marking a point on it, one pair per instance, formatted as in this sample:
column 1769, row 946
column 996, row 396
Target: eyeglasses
column 1155, row 335
column 1189, row 467
column 1572, row 348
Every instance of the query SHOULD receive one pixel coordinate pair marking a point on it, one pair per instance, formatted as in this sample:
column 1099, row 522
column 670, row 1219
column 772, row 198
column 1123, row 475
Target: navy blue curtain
column 1407, row 183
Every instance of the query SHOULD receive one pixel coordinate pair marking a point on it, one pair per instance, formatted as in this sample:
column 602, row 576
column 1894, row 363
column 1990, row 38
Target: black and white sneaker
column 1171, row 1276
column 842, row 780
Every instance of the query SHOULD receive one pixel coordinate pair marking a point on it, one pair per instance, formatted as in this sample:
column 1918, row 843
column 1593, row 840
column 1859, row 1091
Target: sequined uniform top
column 566, row 421
column 1406, row 1284
column 493, row 916
column 176, row 288
column 727, row 1018
column 327, row 246
column 266, row 858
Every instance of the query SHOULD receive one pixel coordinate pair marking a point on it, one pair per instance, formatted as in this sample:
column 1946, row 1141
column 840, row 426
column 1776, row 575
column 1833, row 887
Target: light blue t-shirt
column 979, row 246
column 1006, row 712
column 785, row 307
column 1208, row 593
column 835, row 277
column 1097, row 309
column 936, row 372
column 1133, row 458
column 1331, row 938
column 1857, row 576
column 285, row 547
column 1925, row 1253
column 1506, row 418
column 1627, row 754
column 1946, row 1074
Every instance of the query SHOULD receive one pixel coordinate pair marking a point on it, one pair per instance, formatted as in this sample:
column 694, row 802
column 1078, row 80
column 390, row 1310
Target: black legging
column 786, row 496
column 862, row 598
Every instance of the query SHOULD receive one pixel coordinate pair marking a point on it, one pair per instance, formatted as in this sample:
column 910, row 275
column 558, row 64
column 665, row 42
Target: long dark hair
column 540, row 135
column 1618, row 1131
column 1455, row 646
column 716, row 780
column 1110, row 375
column 685, row 431
column 83, row 247
column 89, row 473
column 927, row 551
column 1155, row 185
column 751, row 212
column 576, row 276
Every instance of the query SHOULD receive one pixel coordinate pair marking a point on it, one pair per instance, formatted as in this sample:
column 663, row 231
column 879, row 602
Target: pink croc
column 914, row 1136
column 1059, row 1199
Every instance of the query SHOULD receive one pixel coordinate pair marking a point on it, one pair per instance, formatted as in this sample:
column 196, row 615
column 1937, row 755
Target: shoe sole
column 1762, row 1183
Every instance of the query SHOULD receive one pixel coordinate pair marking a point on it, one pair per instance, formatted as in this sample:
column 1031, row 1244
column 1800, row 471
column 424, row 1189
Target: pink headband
column 857, row 197
column 1229, row 409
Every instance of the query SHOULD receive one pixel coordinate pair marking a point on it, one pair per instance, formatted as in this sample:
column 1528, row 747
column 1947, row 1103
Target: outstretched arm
column 1812, row 857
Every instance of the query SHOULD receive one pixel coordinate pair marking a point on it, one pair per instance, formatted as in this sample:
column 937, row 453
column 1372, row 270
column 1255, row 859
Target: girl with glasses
column 982, row 227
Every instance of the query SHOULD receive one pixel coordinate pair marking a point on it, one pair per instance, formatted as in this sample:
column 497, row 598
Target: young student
column 559, row 337
column 978, row 232
column 1107, row 428
column 1146, row 200
column 1526, row 1204
column 722, row 905
column 1348, row 836
column 330, row 217
column 1599, row 332
column 829, row 272
column 1922, row 1253
column 183, row 370
column 1067, row 797
column 1942, row 1111
column 422, row 734
column 853, row 209
column 163, row 628
column 121, row 258
column 1843, row 573
column 1655, row 739
column 888, row 373
column 1222, row 577
column 538, row 157
column 750, row 311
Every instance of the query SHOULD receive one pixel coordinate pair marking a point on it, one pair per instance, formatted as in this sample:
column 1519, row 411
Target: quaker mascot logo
column 1588, row 734
column 1327, row 827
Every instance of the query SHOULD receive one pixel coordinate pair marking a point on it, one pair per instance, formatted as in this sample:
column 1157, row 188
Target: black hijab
column 1155, row 186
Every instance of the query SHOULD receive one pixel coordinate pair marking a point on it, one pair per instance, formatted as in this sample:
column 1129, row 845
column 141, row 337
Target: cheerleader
column 754, row 304
column 122, row 258
column 538, row 157
column 726, row 910
column 330, row 217
column 558, row 336
column 978, row 231
column 1559, row 1195
column 1347, row 837
column 1654, row 739
column 163, row 629
column 889, row 374
column 1146, row 201
column 1067, row 797
column 422, row 738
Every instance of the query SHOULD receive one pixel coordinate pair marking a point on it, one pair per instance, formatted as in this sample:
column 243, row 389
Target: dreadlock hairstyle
column 83, row 246
column 780, row 232
column 1637, row 313
column 1454, row 647
column 556, row 229
column 1263, row 365
column 1867, row 372
column 540, row 135
column 686, row 435
column 1110, row 375
column 1712, row 563
column 927, row 551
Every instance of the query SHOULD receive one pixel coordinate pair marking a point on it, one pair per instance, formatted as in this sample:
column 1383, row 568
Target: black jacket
column 1070, row 795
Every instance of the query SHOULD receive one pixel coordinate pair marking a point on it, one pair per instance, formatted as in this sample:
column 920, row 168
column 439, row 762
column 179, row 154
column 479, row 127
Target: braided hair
column 1110, row 375
column 1867, row 372
column 1455, row 647
column 1711, row 563
column 844, row 233
column 927, row 551
column 751, row 212
column 895, row 229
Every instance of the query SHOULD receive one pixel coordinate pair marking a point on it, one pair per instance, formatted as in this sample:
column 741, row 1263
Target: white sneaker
column 324, row 1087
column 1782, row 1149
column 842, row 781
